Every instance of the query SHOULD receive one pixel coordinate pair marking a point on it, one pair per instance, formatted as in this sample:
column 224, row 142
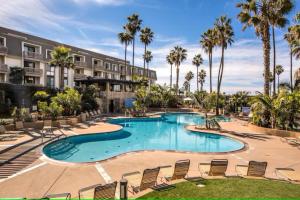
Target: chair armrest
column 53, row 196
column 165, row 166
column 88, row 188
column 130, row 173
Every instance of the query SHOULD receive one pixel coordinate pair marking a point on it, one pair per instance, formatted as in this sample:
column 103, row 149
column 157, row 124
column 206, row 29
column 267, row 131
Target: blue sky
column 94, row 24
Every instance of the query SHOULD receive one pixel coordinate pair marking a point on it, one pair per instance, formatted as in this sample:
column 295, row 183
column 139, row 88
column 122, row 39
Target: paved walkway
column 46, row 177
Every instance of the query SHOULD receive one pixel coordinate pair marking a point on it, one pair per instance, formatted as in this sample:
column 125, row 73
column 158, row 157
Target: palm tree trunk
column 266, row 49
column 125, row 60
column 210, row 70
column 291, row 68
column 274, row 61
column 171, row 76
column 220, row 76
column 177, row 79
column 201, row 86
column 145, row 61
column 197, row 79
column 277, row 84
column 62, row 77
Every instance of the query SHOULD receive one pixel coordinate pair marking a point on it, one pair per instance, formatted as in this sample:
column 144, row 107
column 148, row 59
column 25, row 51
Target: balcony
column 33, row 71
column 3, row 68
column 32, row 55
column 99, row 67
column 79, row 76
column 80, row 64
column 3, row 50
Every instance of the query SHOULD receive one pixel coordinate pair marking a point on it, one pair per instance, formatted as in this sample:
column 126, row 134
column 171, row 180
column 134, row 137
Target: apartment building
column 32, row 54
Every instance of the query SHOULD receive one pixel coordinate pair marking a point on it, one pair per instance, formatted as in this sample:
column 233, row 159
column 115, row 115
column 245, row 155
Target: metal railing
column 32, row 55
column 80, row 64
column 79, row 76
column 3, row 49
column 33, row 71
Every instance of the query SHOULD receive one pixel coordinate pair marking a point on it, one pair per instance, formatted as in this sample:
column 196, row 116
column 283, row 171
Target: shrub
column 88, row 99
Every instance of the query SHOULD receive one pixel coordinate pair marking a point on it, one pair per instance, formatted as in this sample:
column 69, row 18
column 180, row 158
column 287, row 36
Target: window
column 107, row 66
column 77, row 58
column 113, row 76
column 2, row 41
column 29, row 48
column 115, row 67
column 116, row 88
column 29, row 64
column 48, row 53
column 50, row 76
column 2, row 78
column 29, row 80
column 66, row 72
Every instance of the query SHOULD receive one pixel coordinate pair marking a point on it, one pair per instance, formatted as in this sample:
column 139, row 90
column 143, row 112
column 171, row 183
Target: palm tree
column 188, row 77
column 170, row 60
column 60, row 57
column 224, row 36
column 180, row 55
column 125, row 38
column 202, row 76
column 278, row 70
column 208, row 42
column 133, row 26
column 278, row 10
column 256, row 13
column 197, row 61
column 146, row 37
column 148, row 57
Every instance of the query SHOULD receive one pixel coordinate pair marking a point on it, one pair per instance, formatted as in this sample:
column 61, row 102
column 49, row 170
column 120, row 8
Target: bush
column 53, row 110
column 69, row 99
column 88, row 99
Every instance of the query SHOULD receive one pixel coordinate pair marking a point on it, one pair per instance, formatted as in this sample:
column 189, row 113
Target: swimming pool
column 164, row 133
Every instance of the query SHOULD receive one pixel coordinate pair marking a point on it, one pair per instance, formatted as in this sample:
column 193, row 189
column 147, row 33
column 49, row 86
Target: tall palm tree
column 146, row 37
column 224, row 36
column 197, row 61
column 170, row 60
column 188, row 77
column 148, row 57
column 278, row 11
column 208, row 42
column 202, row 76
column 133, row 27
column 180, row 55
column 278, row 70
column 60, row 57
column 256, row 13
column 125, row 38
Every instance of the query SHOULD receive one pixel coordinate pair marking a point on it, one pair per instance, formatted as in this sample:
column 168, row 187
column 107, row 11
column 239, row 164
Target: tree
column 146, row 38
column 187, row 84
column 180, row 55
column 208, row 42
column 148, row 57
column 205, row 102
column 133, row 26
column 278, row 70
column 170, row 61
column 125, row 38
column 197, row 61
column 277, row 12
column 16, row 75
column 256, row 13
column 224, row 35
column 202, row 76
column 88, row 99
column 60, row 57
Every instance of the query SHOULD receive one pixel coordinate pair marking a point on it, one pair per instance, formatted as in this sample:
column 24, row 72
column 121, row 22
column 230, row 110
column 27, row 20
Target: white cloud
column 104, row 2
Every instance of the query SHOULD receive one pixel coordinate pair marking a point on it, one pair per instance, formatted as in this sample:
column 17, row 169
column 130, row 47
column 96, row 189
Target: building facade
column 32, row 54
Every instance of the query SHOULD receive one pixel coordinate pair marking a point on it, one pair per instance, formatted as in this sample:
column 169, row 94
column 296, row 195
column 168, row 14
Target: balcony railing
column 3, row 68
column 80, row 76
column 99, row 67
column 33, row 71
column 3, row 50
column 80, row 64
column 32, row 55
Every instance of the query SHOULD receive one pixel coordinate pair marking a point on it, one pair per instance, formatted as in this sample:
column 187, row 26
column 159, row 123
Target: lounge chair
column 216, row 168
column 178, row 172
column 63, row 124
column 253, row 170
column 288, row 174
column 20, row 127
column 85, row 118
column 94, row 116
column 99, row 191
column 48, row 128
column 58, row 196
column 9, row 135
column 138, row 182
column 290, row 139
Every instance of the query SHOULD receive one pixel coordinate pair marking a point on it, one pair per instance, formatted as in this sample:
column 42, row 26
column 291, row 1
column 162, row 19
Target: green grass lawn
column 229, row 188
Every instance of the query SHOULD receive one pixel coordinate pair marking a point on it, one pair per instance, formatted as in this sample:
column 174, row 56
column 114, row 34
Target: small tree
column 16, row 75
column 88, row 99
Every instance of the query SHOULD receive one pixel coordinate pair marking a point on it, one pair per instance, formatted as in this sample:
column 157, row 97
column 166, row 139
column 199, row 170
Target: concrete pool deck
column 45, row 177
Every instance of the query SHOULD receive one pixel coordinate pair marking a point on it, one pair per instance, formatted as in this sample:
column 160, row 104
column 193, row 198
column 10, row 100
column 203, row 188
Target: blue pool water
column 165, row 133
